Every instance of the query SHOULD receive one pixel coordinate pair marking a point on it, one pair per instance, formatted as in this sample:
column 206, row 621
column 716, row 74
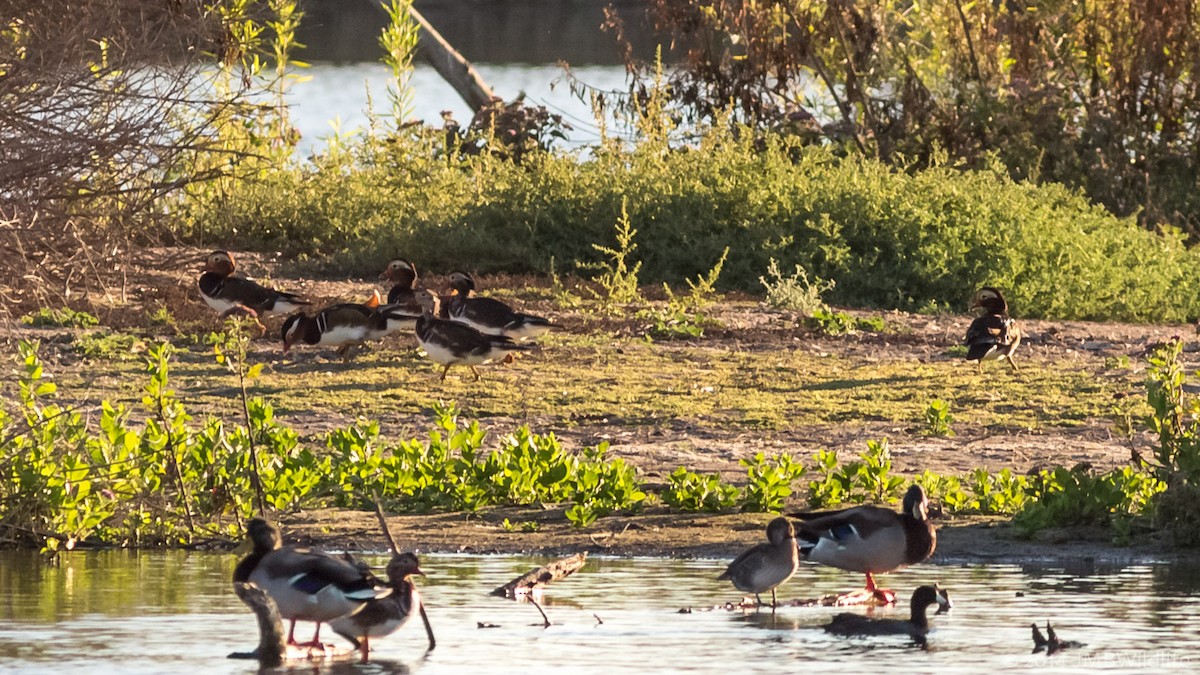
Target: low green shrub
column 688, row 491
column 887, row 238
column 59, row 317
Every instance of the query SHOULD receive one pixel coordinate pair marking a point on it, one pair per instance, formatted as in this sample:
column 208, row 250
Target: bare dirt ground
column 778, row 387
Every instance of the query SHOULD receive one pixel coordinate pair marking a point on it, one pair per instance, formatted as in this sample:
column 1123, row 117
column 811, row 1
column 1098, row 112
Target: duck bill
column 943, row 599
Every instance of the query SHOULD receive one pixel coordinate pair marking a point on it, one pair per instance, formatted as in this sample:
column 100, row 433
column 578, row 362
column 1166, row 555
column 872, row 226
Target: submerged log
column 273, row 650
column 537, row 578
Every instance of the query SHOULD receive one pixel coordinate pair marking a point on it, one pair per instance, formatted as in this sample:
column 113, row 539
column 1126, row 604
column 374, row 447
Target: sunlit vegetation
column 169, row 479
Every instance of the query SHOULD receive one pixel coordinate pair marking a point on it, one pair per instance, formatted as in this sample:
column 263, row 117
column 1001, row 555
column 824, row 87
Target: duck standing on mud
column 994, row 335
column 234, row 296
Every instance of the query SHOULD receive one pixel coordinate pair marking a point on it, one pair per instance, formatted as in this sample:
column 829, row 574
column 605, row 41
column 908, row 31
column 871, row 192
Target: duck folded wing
column 860, row 539
column 310, row 572
column 256, row 296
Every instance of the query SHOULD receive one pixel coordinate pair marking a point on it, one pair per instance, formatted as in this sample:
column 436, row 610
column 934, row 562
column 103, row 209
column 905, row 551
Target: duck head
column 916, row 504
column 401, row 272
column 928, row 596
column 780, row 530
column 219, row 262
column 403, row 566
column 262, row 534
column 293, row 330
column 990, row 299
column 461, row 283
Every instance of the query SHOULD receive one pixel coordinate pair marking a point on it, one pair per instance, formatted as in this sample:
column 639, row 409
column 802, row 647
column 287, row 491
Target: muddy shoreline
column 659, row 533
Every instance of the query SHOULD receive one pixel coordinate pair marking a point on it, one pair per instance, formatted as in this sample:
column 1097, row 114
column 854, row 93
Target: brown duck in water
column 766, row 566
column 1051, row 642
column 385, row 616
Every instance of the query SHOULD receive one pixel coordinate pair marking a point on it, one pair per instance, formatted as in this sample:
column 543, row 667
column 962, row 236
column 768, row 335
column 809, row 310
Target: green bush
column 887, row 238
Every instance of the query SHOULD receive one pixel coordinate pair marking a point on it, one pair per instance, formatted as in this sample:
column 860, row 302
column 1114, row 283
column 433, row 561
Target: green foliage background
column 887, row 238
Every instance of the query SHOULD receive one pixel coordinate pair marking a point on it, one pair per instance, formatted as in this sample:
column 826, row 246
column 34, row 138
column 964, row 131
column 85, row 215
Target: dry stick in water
column 387, row 535
column 545, row 618
column 526, row 583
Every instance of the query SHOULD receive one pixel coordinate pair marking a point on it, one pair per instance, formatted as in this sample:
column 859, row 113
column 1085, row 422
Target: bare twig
column 391, row 542
column 545, row 619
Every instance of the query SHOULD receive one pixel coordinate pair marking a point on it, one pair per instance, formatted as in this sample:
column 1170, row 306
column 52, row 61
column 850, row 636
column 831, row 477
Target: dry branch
column 526, row 583
column 272, row 647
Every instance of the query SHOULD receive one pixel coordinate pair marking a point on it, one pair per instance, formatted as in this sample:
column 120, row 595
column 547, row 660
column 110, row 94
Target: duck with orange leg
column 450, row 343
column 306, row 585
column 235, row 296
column 869, row 539
column 382, row 617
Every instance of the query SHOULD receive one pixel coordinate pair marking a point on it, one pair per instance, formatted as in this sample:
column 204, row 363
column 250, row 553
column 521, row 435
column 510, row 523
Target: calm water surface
column 336, row 98
column 176, row 613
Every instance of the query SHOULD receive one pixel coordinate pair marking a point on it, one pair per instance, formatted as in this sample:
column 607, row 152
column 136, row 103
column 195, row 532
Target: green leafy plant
column 59, row 317
column 830, row 322
column 618, row 276
column 769, row 481
column 99, row 345
column 689, row 491
column 938, row 418
column 1064, row 497
column 795, row 291
column 872, row 324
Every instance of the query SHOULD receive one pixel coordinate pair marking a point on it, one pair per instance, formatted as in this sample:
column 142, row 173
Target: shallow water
column 336, row 99
column 175, row 612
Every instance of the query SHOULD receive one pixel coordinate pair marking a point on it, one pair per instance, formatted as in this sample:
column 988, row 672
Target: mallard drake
column 994, row 335
column 869, row 539
column 343, row 326
column 227, row 294
column 450, row 343
column 916, row 626
column 766, row 566
column 488, row 315
column 379, row 618
column 1051, row 642
column 305, row 585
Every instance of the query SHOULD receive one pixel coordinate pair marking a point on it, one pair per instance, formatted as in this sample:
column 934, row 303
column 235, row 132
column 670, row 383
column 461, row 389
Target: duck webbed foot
column 871, row 595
